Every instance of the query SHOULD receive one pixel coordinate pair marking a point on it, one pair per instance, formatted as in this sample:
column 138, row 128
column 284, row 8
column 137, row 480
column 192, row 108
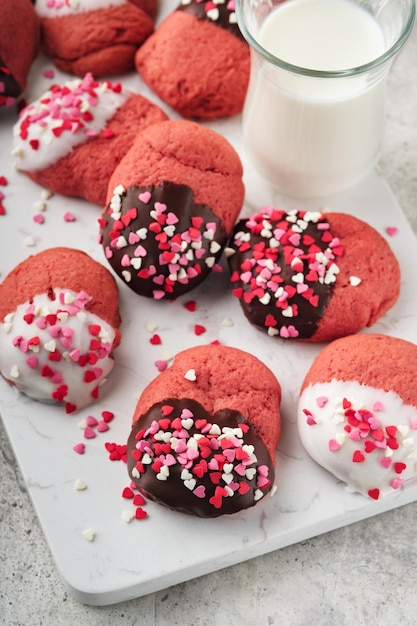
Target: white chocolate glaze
column 370, row 445
column 62, row 118
column 58, row 8
column 55, row 350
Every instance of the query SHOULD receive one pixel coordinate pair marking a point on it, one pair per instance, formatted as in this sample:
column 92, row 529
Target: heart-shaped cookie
column 215, row 452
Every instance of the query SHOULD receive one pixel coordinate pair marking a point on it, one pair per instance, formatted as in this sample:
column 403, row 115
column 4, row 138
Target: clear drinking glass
column 314, row 132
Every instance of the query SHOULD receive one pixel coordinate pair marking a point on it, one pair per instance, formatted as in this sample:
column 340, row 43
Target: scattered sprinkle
column 391, row 231
column 80, row 485
column 191, row 305
column 89, row 534
column 69, row 217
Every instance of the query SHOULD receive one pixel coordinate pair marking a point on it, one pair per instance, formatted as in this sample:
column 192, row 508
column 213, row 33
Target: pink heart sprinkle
column 39, row 218
column 186, row 413
column 91, row 421
column 145, row 196
column 160, row 207
column 413, row 423
column 321, row 401
column 213, row 464
column 310, row 420
column 263, row 470
column 79, row 448
column 391, row 231
column 32, row 362
column 230, row 454
column 89, row 433
column 160, row 365
column 140, row 251
column 385, row 461
column 302, row 287
column 262, row 481
column 48, row 73
column 102, row 426
column 333, row 445
column 69, row 217
column 56, row 378
column 133, row 238
column 200, row 491
column 125, row 262
column 172, row 218
column 396, row 483
column 377, row 406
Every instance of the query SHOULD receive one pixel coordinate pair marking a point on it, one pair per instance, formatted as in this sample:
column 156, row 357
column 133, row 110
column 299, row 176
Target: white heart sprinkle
column 190, row 484
column 127, row 516
column 190, row 375
column 89, row 534
column 354, row 281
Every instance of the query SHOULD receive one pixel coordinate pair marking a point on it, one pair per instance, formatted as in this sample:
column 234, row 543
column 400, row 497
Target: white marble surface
column 364, row 573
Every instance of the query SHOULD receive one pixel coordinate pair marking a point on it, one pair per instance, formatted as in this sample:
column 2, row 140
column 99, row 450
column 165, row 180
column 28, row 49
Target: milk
column 315, row 135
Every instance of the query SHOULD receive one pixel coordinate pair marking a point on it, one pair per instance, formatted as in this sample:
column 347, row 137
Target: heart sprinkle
column 288, row 263
column 382, row 449
column 181, row 241
column 47, row 347
column 206, row 460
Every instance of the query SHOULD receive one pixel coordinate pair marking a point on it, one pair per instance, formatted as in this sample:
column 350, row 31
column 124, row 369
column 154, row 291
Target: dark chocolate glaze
column 10, row 87
column 224, row 14
column 308, row 317
column 179, row 202
column 172, row 492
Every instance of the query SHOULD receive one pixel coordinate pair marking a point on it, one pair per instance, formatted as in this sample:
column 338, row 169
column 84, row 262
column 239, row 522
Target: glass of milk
column 313, row 119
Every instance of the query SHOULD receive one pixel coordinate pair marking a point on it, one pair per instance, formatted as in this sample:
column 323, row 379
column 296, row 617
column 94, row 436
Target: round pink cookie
column 197, row 60
column 59, row 325
column 310, row 275
column 98, row 36
column 172, row 204
column 84, row 127
column 357, row 412
column 19, row 46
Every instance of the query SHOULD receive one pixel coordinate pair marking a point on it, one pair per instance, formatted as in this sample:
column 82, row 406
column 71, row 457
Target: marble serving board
column 127, row 560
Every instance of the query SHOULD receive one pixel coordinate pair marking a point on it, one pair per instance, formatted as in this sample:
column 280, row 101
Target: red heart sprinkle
column 399, row 467
column 215, row 477
column 243, row 488
column 107, row 416
column 373, row 493
column 391, row 430
column 155, row 340
column 369, row 446
column 139, row 500
column 140, row 513
column 127, row 493
column 191, row 305
column 358, row 457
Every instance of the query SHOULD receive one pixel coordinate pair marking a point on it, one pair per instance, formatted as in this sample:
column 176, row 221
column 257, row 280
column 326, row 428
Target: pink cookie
column 357, row 412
